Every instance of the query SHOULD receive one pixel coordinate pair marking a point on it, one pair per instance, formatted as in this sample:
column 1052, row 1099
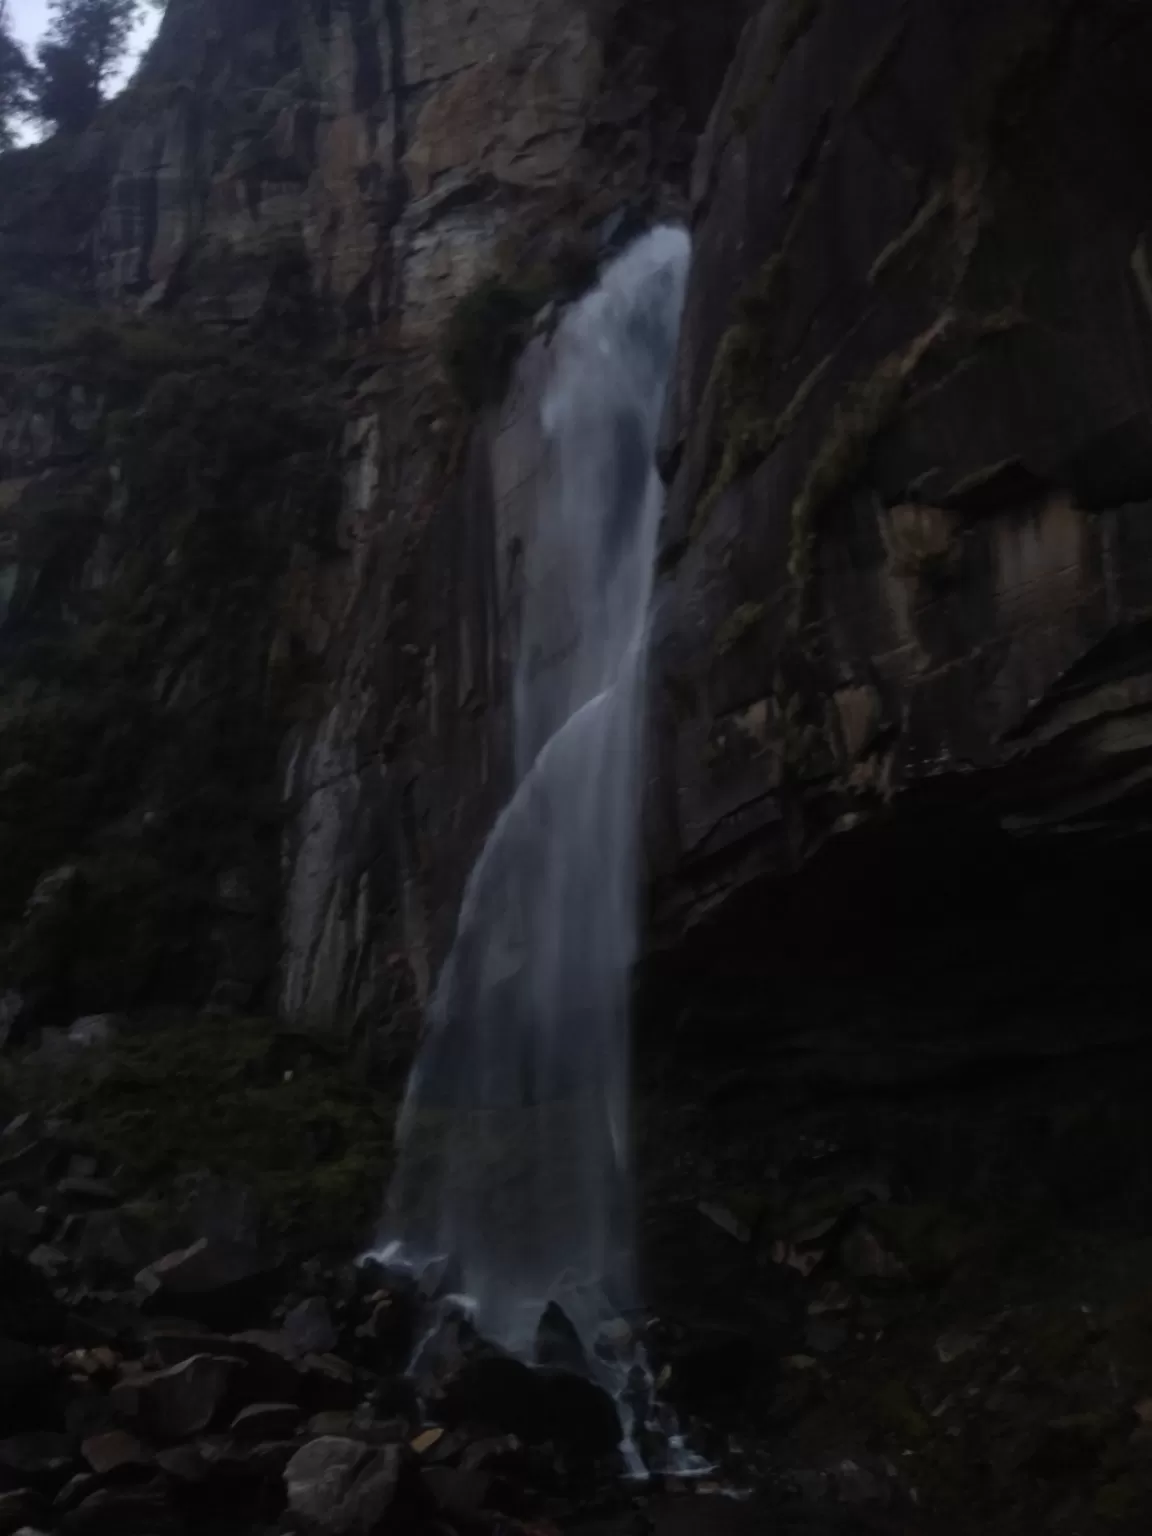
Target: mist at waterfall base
column 514, row 1142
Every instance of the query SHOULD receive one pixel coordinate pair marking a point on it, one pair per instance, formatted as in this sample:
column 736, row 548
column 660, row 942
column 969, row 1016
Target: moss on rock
column 284, row 1114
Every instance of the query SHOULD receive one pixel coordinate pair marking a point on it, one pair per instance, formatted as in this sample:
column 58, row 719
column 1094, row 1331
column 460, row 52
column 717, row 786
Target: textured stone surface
column 903, row 552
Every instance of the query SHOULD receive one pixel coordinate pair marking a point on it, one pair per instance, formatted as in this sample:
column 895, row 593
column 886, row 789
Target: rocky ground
column 905, row 1287
column 240, row 1380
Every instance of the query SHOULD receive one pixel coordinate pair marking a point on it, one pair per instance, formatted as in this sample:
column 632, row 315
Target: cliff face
column 352, row 212
column 271, row 338
column 903, row 572
column 903, row 569
column 910, row 445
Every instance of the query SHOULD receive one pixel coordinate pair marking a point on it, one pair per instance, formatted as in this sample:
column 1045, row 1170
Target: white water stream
column 514, row 1143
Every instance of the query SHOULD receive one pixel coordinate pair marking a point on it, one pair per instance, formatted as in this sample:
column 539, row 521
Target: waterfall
column 513, row 1143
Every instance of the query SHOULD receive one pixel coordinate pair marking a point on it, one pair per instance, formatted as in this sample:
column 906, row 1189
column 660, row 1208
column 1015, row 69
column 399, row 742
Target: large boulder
column 178, row 1402
column 341, row 1487
column 217, row 1282
column 29, row 1388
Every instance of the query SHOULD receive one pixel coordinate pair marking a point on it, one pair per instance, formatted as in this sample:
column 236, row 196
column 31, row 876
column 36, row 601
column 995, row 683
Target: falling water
column 514, row 1138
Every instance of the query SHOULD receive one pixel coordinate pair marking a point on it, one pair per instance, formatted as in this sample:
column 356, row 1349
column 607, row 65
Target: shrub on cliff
column 86, row 41
column 16, row 77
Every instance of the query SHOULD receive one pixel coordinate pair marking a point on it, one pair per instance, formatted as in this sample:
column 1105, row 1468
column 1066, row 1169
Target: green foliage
column 288, row 1115
column 139, row 721
column 485, row 334
column 16, row 79
column 86, row 41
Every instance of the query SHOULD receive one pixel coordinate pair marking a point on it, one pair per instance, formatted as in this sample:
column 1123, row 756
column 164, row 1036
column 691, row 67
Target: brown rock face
column 305, row 196
column 909, row 443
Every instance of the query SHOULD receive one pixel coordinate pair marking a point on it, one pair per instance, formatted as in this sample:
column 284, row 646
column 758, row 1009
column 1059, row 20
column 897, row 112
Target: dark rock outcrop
column 908, row 443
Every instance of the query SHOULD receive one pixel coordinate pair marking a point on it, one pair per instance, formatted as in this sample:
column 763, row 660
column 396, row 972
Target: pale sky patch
column 30, row 19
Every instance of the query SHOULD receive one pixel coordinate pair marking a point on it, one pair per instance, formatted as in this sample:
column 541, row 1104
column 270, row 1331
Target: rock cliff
column 349, row 214
column 271, row 335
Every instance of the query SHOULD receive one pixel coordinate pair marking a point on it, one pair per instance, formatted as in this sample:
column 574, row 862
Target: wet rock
column 11, row 1007
column 180, row 1401
column 106, row 1244
column 245, row 1461
column 114, row 1451
column 215, row 1282
column 269, row 1376
column 87, row 1191
column 456, row 1491
column 184, row 1464
column 951, row 1346
column 536, row 1405
column 491, row 1451
column 267, row 1421
column 321, row 1473
column 332, row 1421
column 50, row 1262
column 28, row 1309
column 115, row 1510
column 557, row 1342
column 328, row 1382
column 865, row 1257
column 341, row 1487
column 90, row 1409
column 824, row 1336
column 42, row 1459
column 28, row 1388
column 20, row 1225
column 19, row 1508
column 575, row 1412
column 75, row 1491
column 309, row 1326
column 29, row 1167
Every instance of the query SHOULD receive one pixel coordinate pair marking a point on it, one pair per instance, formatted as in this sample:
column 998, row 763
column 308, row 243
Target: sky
column 30, row 17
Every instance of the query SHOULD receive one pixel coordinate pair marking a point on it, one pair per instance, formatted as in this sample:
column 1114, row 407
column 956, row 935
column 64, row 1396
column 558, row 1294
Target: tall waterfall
column 514, row 1137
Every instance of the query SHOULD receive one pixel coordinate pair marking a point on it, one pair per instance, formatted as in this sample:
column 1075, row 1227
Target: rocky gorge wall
column 365, row 205
column 271, row 336
column 906, row 450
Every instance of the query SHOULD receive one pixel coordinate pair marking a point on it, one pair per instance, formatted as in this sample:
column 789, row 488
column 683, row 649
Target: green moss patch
column 282, row 1113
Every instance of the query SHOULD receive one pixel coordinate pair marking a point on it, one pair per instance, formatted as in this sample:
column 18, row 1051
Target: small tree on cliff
column 16, row 77
column 86, row 40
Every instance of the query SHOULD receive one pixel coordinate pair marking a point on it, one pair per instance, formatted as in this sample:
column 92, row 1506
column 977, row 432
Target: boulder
column 243, row 1461
column 28, row 1310
column 310, row 1328
column 537, row 1405
column 20, row 1225
column 456, row 1491
column 183, row 1464
column 29, row 1395
column 49, row 1261
column 120, row 1510
column 319, row 1476
column 181, row 1401
column 328, row 1382
column 41, row 1459
column 114, row 1451
column 22, row 1507
column 84, row 1190
column 217, row 1282
column 268, row 1376
column 74, row 1492
column 266, row 1421
column 341, row 1487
